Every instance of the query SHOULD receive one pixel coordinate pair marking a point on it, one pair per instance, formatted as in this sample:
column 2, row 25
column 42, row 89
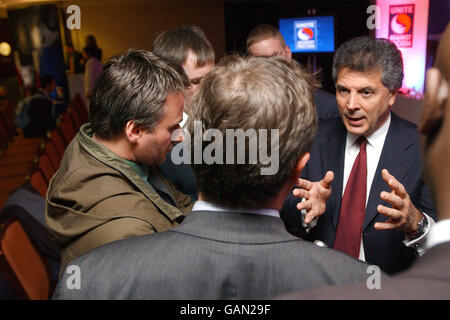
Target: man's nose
column 352, row 102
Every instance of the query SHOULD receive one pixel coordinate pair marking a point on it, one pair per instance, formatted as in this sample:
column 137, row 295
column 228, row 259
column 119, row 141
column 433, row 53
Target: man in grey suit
column 259, row 119
column 429, row 277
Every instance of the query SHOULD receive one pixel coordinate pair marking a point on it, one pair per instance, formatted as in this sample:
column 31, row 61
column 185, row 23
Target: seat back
column 80, row 108
column 67, row 128
column 37, row 180
column 8, row 118
column 52, row 154
column 58, row 142
column 46, row 167
column 24, row 263
column 75, row 118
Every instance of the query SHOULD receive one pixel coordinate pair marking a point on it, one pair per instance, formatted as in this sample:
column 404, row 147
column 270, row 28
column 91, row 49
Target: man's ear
column 288, row 52
column 392, row 98
column 301, row 163
column 434, row 102
column 132, row 132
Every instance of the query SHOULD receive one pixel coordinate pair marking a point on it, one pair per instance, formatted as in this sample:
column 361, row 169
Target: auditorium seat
column 25, row 268
column 37, row 180
column 46, row 167
column 66, row 128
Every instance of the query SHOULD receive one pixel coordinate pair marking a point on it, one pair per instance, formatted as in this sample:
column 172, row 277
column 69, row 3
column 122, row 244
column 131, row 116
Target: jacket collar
column 109, row 158
column 234, row 227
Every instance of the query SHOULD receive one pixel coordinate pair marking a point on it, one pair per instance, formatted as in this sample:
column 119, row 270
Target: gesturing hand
column 315, row 194
column 403, row 215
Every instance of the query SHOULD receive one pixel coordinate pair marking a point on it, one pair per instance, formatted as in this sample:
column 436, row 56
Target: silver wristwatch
column 422, row 226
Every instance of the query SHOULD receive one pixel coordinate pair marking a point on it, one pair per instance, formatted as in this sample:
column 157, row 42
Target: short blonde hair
column 263, row 32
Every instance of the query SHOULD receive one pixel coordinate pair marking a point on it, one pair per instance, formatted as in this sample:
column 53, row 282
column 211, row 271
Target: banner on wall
column 401, row 26
column 405, row 22
column 305, row 32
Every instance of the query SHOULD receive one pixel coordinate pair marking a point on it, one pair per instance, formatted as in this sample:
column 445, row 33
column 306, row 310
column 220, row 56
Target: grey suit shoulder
column 211, row 255
column 427, row 279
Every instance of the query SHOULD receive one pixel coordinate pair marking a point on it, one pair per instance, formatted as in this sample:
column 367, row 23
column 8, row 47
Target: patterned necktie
column 353, row 206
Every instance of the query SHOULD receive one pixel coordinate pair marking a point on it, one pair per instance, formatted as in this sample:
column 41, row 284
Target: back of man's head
column 175, row 45
column 270, row 101
column 133, row 86
column 368, row 54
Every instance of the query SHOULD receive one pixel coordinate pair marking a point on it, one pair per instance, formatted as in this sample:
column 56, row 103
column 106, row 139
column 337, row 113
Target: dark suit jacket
column 428, row 278
column 211, row 255
column 181, row 175
column 326, row 105
column 401, row 156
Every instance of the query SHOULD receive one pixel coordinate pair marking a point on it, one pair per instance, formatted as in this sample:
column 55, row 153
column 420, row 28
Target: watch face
column 422, row 225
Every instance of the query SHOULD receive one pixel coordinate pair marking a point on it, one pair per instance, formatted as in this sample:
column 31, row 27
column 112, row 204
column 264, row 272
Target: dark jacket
column 401, row 156
column 96, row 197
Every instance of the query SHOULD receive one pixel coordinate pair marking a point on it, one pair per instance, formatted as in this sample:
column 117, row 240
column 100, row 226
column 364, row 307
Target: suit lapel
column 332, row 153
column 395, row 160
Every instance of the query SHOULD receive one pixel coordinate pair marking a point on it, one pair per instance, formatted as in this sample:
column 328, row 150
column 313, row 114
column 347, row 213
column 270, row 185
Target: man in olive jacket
column 108, row 187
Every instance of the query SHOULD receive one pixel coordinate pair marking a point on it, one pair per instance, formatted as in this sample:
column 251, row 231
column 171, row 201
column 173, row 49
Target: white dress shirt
column 375, row 143
column 183, row 122
column 439, row 233
column 209, row 206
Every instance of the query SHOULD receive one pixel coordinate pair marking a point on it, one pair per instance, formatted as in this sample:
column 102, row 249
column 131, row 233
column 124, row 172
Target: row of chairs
column 30, row 158
column 17, row 153
column 21, row 263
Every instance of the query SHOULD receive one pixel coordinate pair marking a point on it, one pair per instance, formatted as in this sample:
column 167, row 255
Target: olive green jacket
column 96, row 197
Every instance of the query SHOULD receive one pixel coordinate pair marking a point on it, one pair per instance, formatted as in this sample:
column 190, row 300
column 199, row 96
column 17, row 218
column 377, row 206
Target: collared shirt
column 140, row 169
column 209, row 206
column 439, row 233
column 374, row 148
column 153, row 181
column 184, row 120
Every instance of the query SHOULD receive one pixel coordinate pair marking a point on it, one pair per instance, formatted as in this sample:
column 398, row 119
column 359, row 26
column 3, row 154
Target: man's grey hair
column 368, row 54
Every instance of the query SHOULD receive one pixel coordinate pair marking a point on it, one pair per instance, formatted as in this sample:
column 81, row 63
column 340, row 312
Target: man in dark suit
column 379, row 209
column 266, row 41
column 189, row 48
column 233, row 245
column 429, row 277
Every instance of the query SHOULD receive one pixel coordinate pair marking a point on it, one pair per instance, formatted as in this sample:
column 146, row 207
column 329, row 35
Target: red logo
column 305, row 34
column 401, row 23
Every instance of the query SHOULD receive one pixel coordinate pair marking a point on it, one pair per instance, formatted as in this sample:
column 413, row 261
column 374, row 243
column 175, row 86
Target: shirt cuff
column 418, row 243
